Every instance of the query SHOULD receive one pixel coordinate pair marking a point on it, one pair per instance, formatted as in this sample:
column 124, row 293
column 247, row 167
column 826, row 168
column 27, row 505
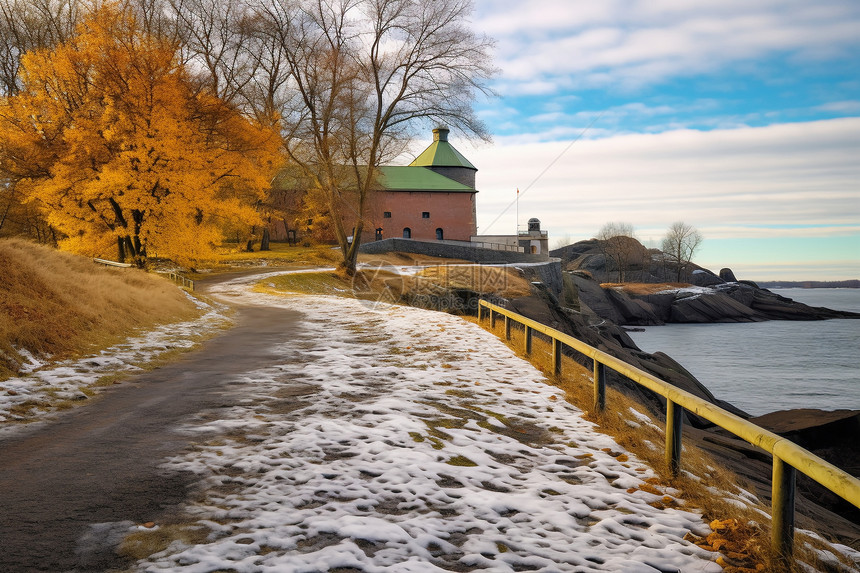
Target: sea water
column 763, row 367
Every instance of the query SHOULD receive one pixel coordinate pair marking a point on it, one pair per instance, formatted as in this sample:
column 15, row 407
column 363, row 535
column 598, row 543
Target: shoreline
column 830, row 435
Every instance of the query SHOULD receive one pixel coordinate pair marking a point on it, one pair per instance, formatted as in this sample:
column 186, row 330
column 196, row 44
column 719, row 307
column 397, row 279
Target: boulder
column 727, row 275
column 705, row 278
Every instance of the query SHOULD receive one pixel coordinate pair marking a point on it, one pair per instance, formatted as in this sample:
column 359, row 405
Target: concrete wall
column 448, row 250
column 538, row 268
column 499, row 239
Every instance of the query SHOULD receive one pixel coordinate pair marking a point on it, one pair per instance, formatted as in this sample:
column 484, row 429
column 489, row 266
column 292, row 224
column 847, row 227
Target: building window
column 379, row 233
column 407, row 233
column 439, row 234
column 386, row 215
column 425, row 215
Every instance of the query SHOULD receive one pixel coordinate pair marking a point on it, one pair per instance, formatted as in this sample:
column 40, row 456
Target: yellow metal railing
column 787, row 456
column 181, row 280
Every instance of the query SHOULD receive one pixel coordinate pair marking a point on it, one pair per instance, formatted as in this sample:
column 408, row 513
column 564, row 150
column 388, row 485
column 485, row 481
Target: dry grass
column 147, row 541
column 324, row 282
column 281, row 253
column 230, row 259
column 740, row 528
column 61, row 305
column 501, row 281
column 407, row 259
column 644, row 288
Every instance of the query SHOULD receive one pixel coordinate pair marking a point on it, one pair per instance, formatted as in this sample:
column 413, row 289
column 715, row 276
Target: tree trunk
column 264, row 242
column 120, row 250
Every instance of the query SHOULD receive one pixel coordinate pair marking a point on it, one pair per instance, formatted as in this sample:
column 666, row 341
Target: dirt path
column 98, row 464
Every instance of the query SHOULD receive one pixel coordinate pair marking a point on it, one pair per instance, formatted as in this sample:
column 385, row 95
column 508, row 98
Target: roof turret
column 441, row 153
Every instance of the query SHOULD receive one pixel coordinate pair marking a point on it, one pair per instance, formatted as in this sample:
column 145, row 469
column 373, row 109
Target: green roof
column 411, row 178
column 441, row 153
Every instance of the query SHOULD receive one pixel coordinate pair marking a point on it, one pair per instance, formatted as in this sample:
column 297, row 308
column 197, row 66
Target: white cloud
column 842, row 107
column 615, row 43
column 726, row 182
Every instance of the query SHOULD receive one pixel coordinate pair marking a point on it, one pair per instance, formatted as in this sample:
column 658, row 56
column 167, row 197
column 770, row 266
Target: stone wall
column 449, row 250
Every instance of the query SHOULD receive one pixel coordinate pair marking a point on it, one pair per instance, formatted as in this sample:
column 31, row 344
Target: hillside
column 54, row 305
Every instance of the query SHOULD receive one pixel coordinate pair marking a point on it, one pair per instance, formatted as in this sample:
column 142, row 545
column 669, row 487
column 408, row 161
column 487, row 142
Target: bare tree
column 620, row 247
column 26, row 25
column 215, row 36
column 562, row 241
column 362, row 73
column 680, row 244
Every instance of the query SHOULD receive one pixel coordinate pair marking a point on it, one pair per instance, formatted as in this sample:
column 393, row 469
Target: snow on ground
column 397, row 439
column 48, row 384
column 690, row 290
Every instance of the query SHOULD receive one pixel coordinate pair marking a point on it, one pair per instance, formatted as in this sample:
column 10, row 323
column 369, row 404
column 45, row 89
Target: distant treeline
column 853, row 283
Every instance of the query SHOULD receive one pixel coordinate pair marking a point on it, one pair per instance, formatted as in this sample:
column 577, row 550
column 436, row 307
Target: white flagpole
column 518, row 215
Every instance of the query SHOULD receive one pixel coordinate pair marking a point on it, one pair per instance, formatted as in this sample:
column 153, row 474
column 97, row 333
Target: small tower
column 534, row 240
column 442, row 158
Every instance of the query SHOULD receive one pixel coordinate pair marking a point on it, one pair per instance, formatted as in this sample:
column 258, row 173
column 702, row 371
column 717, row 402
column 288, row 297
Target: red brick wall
column 454, row 213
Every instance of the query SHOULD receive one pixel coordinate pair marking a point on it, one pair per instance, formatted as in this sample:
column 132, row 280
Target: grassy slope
column 61, row 305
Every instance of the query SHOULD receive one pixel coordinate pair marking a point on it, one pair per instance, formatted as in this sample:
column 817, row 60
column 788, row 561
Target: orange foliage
column 124, row 152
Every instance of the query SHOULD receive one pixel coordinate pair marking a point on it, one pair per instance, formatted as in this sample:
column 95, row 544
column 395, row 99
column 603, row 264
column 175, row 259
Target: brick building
column 432, row 198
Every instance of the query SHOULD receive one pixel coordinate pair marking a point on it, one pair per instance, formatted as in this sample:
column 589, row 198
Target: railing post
column 528, row 342
column 599, row 386
column 480, row 311
column 492, row 318
column 782, row 511
column 507, row 327
column 556, row 356
column 674, row 419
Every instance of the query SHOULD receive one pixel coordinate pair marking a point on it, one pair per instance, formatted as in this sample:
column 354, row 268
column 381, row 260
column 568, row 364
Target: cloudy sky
column 739, row 117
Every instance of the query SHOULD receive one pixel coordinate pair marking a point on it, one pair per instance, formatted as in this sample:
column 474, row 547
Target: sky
column 740, row 118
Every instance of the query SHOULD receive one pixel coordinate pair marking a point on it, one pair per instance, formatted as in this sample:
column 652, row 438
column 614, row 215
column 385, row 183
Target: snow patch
column 393, row 462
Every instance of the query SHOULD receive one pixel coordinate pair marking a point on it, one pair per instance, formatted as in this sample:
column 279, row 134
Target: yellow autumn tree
column 125, row 152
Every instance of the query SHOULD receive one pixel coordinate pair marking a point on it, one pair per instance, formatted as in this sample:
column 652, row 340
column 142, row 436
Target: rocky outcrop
column 607, row 336
column 722, row 302
column 709, row 307
column 640, row 264
column 713, row 298
column 830, row 435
